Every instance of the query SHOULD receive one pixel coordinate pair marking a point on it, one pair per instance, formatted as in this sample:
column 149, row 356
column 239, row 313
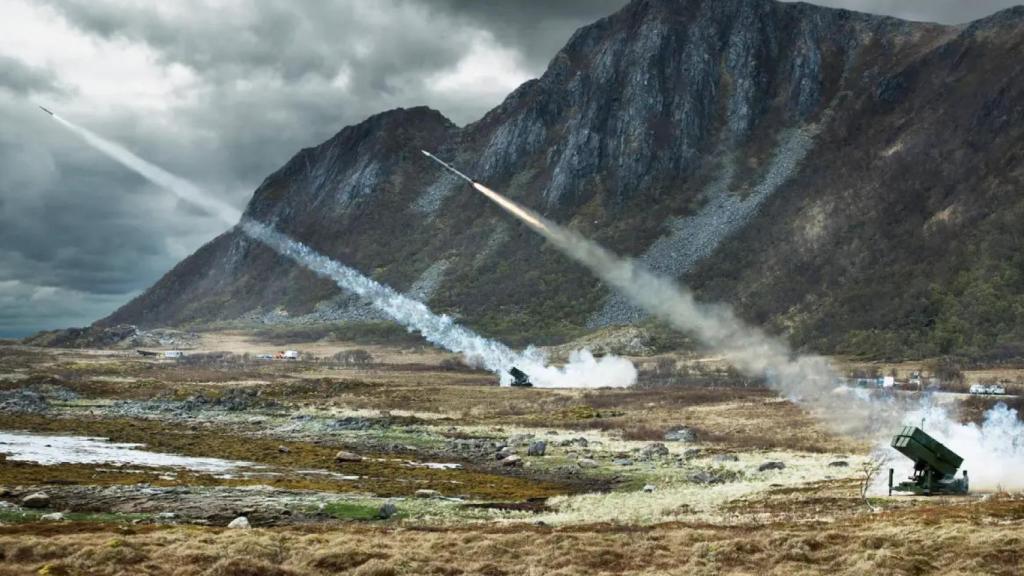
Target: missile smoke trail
column 182, row 188
column 993, row 450
column 583, row 369
column 749, row 349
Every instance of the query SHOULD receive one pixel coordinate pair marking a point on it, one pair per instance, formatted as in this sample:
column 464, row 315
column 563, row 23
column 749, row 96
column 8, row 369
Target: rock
column 648, row 488
column 240, row 523
column 704, row 477
column 771, row 465
column 838, row 464
column 581, row 442
column 586, row 463
column 682, row 434
column 424, row 493
column 692, row 453
column 283, row 449
column 725, row 458
column 504, row 453
column 344, row 456
column 387, row 510
column 623, row 462
column 512, row 460
column 52, row 517
column 537, row 448
column 654, row 451
column 37, row 500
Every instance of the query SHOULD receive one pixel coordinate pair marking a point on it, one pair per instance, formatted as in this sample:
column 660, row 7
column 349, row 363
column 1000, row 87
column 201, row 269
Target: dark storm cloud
column 941, row 11
column 79, row 234
column 19, row 78
column 536, row 28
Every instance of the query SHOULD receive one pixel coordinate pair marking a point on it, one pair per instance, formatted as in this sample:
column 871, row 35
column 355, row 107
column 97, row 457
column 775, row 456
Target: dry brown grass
column 965, row 538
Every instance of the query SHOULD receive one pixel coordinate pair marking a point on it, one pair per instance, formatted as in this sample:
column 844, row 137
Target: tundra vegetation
column 371, row 458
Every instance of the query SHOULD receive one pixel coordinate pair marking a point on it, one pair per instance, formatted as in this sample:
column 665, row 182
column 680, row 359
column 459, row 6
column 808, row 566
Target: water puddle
column 52, row 450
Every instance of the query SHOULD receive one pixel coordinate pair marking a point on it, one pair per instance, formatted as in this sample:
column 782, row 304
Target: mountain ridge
column 643, row 120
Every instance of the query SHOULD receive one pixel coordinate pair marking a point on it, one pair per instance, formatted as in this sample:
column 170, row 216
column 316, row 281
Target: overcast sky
column 224, row 92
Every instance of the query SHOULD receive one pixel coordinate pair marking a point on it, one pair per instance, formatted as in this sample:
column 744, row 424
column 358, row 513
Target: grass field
column 609, row 495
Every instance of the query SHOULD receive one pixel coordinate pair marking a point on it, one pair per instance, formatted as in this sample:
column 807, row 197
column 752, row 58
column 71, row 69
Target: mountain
column 848, row 180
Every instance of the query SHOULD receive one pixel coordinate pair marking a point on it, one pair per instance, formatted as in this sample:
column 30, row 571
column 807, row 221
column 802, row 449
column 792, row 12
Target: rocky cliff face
column 833, row 174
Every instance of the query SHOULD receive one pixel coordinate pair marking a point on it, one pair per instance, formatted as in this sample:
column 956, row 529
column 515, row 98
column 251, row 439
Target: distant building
column 174, row 354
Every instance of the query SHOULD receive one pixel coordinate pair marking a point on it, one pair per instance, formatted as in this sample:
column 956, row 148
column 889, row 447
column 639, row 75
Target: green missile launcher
column 520, row 379
column 935, row 466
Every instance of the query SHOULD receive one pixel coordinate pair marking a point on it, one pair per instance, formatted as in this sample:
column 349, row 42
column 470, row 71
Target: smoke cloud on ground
column 995, row 449
column 583, row 370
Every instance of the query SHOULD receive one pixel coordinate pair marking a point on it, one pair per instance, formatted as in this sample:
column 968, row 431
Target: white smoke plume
column 807, row 379
column 583, row 370
column 993, row 451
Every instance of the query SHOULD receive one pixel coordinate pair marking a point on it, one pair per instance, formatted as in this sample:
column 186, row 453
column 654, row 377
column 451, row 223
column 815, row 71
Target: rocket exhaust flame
column 582, row 371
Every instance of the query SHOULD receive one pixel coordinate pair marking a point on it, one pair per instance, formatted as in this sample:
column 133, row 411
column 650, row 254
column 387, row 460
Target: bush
column 353, row 357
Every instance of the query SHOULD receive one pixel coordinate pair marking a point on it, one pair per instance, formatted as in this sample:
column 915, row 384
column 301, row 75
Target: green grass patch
column 27, row 516
column 353, row 511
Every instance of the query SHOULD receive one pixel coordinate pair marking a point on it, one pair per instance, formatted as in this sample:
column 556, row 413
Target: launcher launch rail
column 935, row 465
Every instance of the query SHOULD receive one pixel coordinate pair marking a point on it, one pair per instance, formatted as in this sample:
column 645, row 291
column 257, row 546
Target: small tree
column 869, row 470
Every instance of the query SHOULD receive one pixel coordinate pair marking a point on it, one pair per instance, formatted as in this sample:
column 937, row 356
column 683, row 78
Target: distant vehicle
column 264, row 356
column 287, row 355
column 146, row 353
column 174, row 354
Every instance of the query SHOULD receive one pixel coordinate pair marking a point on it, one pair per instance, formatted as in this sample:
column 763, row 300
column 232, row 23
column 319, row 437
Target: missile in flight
column 448, row 166
column 45, row 110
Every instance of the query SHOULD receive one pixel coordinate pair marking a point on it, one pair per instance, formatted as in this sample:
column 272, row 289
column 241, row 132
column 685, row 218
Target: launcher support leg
column 890, row 481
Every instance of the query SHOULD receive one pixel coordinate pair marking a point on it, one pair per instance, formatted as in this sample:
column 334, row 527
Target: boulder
column 623, row 462
column 52, row 517
column 704, row 477
column 692, row 453
column 345, row 456
column 512, row 460
column 537, row 448
column 839, row 464
column 581, row 442
column 387, row 510
column 240, row 523
column 771, row 465
column 681, row 434
column 586, row 463
column 424, row 493
column 37, row 500
column 654, row 451
column 648, row 488
column 720, row 458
